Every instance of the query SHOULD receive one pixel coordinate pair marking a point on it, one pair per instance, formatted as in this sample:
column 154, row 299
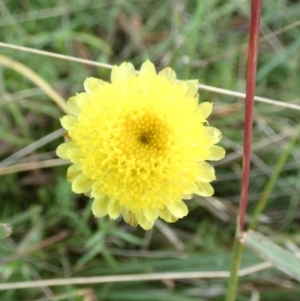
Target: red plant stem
column 250, row 92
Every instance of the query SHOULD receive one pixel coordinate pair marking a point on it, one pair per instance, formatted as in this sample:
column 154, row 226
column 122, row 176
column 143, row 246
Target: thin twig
column 109, row 66
column 114, row 278
column 56, row 55
column 33, row 165
column 243, row 95
column 30, row 148
column 51, row 240
column 135, row 277
column 248, row 124
column 249, row 106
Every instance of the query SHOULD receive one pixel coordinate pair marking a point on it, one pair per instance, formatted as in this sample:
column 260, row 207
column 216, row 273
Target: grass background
column 198, row 39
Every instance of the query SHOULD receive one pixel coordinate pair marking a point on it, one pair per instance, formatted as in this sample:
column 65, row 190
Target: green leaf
column 266, row 249
column 5, row 230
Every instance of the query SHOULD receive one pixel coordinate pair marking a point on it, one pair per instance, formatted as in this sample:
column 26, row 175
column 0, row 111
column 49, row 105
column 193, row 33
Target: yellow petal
column 92, row 84
column 72, row 172
column 151, row 214
column 207, row 172
column 148, row 68
column 192, row 88
column 143, row 222
column 166, row 215
column 73, row 106
column 178, row 209
column 68, row 121
column 204, row 189
column 82, row 99
column 122, row 73
column 214, row 134
column 168, row 73
column 216, row 153
column 97, row 192
column 62, row 150
column 99, row 206
column 75, row 155
column 81, row 184
column 114, row 209
column 206, row 108
column 129, row 218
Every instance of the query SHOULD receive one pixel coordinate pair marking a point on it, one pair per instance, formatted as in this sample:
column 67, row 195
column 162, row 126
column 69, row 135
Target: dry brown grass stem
column 36, row 79
column 135, row 277
column 32, row 165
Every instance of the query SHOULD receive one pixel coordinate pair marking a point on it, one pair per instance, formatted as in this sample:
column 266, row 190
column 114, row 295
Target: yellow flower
column 139, row 144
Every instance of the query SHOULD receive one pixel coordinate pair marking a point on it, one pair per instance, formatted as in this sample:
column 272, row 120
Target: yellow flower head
column 139, row 144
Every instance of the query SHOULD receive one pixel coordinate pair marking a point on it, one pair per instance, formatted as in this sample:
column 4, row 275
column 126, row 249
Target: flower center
column 143, row 137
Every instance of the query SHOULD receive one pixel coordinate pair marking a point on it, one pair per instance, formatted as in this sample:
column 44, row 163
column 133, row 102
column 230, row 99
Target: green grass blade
column 272, row 181
column 266, row 249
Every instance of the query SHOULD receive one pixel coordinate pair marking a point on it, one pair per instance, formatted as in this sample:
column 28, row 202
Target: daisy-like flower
column 139, row 144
